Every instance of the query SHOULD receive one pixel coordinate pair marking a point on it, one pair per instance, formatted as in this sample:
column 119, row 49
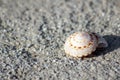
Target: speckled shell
column 81, row 44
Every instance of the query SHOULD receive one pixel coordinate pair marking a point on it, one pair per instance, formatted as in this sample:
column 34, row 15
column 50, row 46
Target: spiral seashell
column 82, row 44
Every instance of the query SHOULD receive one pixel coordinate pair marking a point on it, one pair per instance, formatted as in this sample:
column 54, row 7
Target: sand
column 33, row 32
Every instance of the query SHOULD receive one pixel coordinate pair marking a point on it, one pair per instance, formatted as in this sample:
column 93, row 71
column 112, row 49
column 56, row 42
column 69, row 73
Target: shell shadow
column 113, row 44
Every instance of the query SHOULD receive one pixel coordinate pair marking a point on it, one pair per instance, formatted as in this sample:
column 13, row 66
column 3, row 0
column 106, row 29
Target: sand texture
column 33, row 32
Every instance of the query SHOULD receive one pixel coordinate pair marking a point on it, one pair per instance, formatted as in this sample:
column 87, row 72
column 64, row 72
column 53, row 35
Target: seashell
column 82, row 44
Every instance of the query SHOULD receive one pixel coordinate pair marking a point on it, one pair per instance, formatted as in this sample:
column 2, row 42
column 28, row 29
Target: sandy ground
column 33, row 32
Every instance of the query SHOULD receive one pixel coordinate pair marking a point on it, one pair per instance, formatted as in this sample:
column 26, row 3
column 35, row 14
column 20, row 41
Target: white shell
column 82, row 44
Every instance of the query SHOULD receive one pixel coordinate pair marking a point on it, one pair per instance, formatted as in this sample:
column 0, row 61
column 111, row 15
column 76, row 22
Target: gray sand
column 33, row 32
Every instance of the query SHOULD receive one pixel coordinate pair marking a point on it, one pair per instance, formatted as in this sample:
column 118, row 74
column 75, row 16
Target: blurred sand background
column 33, row 32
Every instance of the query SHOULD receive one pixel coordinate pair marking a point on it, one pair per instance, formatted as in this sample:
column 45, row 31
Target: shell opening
column 102, row 43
